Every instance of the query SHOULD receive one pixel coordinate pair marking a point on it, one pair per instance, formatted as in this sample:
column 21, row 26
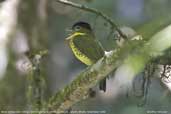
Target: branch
column 78, row 89
column 35, row 30
column 91, row 10
column 130, row 65
column 36, row 82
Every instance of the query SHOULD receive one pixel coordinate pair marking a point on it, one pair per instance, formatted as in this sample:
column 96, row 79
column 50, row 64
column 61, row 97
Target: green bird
column 85, row 46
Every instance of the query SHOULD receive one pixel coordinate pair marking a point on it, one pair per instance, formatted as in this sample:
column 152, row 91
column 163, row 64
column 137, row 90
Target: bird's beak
column 68, row 30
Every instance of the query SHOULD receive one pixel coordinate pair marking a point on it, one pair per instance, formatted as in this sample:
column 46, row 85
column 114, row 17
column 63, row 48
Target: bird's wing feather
column 89, row 47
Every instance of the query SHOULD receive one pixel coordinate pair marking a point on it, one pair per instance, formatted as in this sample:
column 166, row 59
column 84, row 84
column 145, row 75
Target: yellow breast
column 79, row 55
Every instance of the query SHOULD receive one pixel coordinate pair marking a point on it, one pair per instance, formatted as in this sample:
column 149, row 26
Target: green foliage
column 150, row 28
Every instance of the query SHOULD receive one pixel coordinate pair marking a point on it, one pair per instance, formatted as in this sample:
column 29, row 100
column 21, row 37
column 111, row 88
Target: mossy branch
column 135, row 62
column 36, row 82
column 95, row 11
column 79, row 88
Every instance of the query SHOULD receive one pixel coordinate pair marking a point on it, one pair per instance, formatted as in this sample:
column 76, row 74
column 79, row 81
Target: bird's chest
column 79, row 55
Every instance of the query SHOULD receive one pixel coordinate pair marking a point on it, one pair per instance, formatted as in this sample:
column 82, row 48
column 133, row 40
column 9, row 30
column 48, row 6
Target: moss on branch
column 77, row 90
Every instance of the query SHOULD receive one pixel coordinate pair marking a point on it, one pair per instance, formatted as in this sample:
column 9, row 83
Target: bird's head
column 80, row 28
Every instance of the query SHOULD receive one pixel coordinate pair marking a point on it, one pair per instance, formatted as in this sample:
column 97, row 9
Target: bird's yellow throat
column 74, row 35
column 78, row 54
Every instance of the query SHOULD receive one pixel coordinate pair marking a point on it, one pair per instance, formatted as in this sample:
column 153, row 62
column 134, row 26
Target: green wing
column 89, row 47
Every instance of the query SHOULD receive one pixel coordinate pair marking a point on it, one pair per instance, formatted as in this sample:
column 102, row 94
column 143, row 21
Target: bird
column 86, row 47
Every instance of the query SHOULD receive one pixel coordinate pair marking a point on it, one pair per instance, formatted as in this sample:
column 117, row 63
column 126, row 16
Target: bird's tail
column 102, row 85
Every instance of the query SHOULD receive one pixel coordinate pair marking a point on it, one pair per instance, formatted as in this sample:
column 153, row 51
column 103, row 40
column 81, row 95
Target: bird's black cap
column 82, row 24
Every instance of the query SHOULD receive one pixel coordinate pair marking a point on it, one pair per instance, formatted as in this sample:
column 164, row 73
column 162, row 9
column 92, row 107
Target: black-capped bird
column 85, row 46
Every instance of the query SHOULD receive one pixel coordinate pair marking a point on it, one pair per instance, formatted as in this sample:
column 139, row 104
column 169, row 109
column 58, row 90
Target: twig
column 36, row 82
column 95, row 11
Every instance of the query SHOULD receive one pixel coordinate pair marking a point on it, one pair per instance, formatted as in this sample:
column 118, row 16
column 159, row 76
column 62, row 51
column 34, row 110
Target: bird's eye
column 77, row 28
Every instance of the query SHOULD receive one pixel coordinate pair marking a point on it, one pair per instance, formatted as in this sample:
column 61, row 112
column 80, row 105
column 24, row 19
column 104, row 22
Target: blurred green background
column 61, row 66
